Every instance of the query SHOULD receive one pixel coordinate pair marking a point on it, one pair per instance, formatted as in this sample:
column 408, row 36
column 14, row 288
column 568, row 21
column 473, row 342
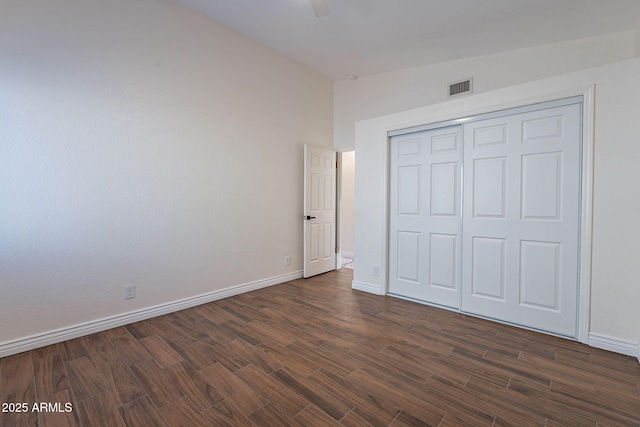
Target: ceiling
column 361, row 37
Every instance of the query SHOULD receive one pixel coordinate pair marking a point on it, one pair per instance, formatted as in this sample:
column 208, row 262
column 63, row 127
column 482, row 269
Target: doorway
column 347, row 212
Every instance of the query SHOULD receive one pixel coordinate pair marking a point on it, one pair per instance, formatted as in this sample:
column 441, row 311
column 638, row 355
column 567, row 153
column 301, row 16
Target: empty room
column 319, row 213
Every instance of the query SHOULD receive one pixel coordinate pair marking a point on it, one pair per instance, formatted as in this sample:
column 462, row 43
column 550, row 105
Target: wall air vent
column 461, row 87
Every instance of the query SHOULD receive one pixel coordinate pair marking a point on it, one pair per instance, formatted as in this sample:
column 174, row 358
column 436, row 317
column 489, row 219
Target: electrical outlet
column 376, row 270
column 129, row 291
column 287, row 260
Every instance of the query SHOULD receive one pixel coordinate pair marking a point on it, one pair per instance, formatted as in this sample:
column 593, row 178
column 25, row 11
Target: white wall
column 142, row 143
column 380, row 94
column 348, row 167
column 615, row 270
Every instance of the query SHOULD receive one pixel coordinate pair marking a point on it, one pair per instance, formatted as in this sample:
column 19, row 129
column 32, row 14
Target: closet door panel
column 425, row 216
column 521, row 218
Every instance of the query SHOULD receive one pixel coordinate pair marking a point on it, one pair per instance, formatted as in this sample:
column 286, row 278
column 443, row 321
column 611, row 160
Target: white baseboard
column 19, row 345
column 366, row 287
column 616, row 345
column 347, row 255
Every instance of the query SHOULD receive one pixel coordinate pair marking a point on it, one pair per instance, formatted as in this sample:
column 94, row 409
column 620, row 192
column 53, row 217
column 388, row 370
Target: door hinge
column 337, row 249
column 337, row 165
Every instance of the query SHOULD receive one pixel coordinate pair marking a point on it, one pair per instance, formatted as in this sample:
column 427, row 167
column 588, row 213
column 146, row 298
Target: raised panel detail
column 489, row 187
column 315, row 192
column 444, row 143
column 541, row 186
column 328, row 162
column 327, row 234
column 410, row 147
column 541, row 129
column 488, row 267
column 315, row 160
column 540, row 274
column 314, row 242
column 328, row 192
column 444, row 189
column 490, row 135
column 443, row 260
column 408, row 190
column 408, row 256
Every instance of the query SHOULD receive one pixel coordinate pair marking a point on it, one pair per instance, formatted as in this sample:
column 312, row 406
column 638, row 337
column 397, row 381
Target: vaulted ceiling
column 363, row 37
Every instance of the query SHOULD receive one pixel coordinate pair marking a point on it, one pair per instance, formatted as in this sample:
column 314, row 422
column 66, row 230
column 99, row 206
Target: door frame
column 338, row 210
column 586, row 191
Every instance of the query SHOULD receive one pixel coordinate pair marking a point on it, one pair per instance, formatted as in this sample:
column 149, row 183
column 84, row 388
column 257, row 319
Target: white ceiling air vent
column 461, row 87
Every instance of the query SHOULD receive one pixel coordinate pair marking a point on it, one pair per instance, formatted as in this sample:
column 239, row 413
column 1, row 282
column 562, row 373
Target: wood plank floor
column 316, row 353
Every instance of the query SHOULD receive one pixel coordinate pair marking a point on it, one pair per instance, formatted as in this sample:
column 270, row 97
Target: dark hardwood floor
column 316, row 353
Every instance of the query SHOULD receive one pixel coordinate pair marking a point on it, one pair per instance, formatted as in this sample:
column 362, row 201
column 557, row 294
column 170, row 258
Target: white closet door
column 425, row 222
column 521, row 218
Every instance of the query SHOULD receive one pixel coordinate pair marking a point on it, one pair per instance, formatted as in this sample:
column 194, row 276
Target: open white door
column 319, row 210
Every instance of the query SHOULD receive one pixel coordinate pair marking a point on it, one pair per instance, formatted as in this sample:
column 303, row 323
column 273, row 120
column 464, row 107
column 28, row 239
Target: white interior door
column 425, row 216
column 521, row 218
column 319, row 210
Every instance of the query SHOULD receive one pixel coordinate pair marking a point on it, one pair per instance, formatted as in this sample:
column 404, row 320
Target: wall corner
column 637, row 39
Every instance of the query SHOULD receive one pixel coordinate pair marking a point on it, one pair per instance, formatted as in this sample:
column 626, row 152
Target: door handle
column 308, row 217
